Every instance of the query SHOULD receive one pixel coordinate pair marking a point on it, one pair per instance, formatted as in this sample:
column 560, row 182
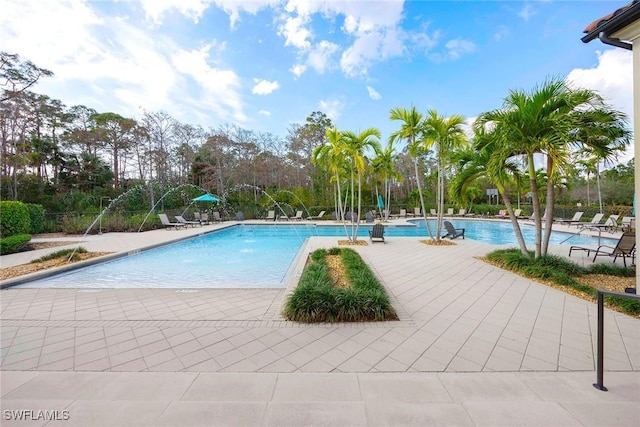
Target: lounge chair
column 450, row 212
column 203, row 218
column 164, row 219
column 370, row 216
column 271, row 216
column 462, row 212
column 216, row 216
column 377, row 232
column 574, row 220
column 181, row 219
column 453, row 232
column 626, row 247
column 433, row 212
column 517, row 213
column 502, row 213
column 417, row 212
column 316, row 217
column 298, row 216
column 594, row 221
column 625, row 224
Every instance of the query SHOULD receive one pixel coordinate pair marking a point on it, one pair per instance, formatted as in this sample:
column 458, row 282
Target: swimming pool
column 247, row 256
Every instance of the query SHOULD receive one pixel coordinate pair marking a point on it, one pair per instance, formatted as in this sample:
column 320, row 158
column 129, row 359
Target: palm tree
column 545, row 121
column 485, row 160
column 602, row 133
column 355, row 146
column 445, row 134
column 411, row 130
column 589, row 167
column 383, row 166
column 333, row 155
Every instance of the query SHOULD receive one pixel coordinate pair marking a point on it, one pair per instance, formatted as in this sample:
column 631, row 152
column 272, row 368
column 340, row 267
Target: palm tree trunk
column 514, row 222
column 352, row 201
column 440, row 192
column 340, row 211
column 548, row 220
column 598, row 184
column 536, row 206
column 424, row 212
column 355, row 234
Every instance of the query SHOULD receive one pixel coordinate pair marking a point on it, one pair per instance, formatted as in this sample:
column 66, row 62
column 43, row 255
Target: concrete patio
column 475, row 345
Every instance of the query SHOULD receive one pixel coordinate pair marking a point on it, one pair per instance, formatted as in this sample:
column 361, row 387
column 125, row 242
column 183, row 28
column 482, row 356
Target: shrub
column 36, row 218
column 14, row 218
column 60, row 254
column 12, row 244
column 611, row 270
column 76, row 224
column 563, row 272
column 315, row 299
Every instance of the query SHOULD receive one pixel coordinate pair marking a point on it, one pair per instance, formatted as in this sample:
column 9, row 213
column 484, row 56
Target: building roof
column 614, row 21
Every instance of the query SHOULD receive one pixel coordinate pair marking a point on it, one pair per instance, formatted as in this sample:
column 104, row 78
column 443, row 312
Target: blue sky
column 265, row 64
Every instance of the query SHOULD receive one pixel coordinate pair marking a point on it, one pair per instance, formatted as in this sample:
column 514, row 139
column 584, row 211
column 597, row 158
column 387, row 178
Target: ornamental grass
column 317, row 300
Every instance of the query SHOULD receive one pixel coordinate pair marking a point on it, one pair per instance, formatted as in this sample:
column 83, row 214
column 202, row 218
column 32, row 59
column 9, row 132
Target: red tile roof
column 600, row 21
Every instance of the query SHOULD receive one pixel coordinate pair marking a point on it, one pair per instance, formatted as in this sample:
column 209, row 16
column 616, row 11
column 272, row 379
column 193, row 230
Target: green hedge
column 315, row 299
column 14, row 219
column 36, row 218
column 12, row 244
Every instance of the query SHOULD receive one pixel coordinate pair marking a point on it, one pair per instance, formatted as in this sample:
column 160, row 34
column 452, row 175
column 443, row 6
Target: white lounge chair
column 316, row 217
column 271, row 215
column 298, row 216
column 574, row 220
column 594, row 221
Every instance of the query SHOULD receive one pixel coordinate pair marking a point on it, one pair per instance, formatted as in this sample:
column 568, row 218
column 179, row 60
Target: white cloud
column 527, row 12
column 373, row 94
column 459, row 47
column 155, row 9
column 501, row 32
column 373, row 26
column 264, row 113
column 295, row 32
column 423, row 41
column 611, row 77
column 194, row 9
column 219, row 88
column 298, row 69
column 320, row 55
column 67, row 27
column 264, row 87
column 332, row 108
column 454, row 49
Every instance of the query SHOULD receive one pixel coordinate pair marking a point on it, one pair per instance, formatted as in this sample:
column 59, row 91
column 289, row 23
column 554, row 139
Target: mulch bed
column 21, row 270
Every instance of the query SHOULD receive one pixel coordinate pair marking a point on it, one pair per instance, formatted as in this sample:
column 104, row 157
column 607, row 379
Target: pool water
column 248, row 256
